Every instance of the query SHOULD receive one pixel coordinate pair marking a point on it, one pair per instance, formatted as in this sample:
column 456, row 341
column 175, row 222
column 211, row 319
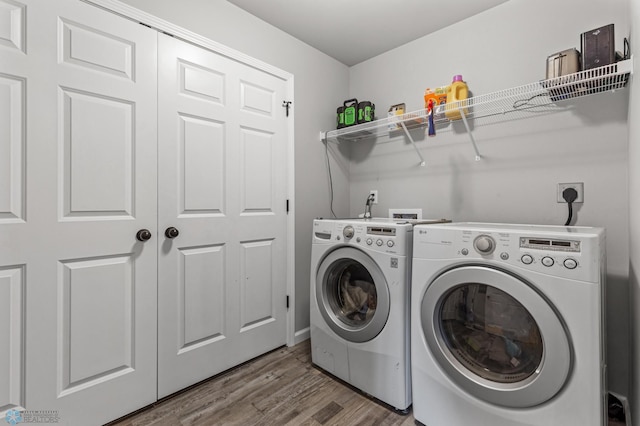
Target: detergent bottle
column 457, row 93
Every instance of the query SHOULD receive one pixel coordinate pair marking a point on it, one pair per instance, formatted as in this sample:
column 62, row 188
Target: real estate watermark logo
column 14, row 417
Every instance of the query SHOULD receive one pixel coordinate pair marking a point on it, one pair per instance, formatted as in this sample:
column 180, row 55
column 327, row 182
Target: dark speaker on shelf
column 598, row 47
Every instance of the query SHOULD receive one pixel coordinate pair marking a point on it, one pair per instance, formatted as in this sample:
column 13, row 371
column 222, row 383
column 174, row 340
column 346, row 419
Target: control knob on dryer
column 348, row 232
column 484, row 244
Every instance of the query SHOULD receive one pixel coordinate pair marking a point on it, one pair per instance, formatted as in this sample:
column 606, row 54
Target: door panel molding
column 14, row 14
column 201, row 309
column 12, row 148
column 12, row 325
column 87, row 47
column 206, row 83
column 92, row 157
column 202, row 150
column 98, row 344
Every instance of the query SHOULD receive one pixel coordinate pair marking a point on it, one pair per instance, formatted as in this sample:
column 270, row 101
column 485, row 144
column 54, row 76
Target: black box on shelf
column 598, row 47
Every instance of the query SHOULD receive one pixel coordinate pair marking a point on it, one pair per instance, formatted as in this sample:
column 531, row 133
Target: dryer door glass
column 496, row 336
column 490, row 333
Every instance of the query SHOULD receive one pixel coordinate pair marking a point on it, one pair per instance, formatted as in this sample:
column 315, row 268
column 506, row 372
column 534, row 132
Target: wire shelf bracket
column 406, row 131
column 473, row 141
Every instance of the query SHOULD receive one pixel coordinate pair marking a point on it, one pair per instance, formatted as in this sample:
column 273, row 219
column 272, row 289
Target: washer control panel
column 385, row 237
column 558, row 251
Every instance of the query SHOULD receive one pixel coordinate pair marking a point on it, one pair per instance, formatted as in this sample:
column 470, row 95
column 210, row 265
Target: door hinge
column 287, row 301
column 287, row 105
column 287, row 205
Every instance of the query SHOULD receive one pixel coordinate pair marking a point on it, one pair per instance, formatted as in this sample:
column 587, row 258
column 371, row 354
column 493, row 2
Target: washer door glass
column 490, row 333
column 354, row 297
column 352, row 294
column 496, row 336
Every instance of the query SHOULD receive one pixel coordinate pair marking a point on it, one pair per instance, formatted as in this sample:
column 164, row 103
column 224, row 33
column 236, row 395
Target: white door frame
column 156, row 23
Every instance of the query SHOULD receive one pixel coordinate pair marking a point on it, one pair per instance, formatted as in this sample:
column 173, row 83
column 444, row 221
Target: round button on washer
column 504, row 255
column 369, row 241
column 547, row 261
column 379, row 243
column 464, row 251
column 390, row 243
column 527, row 259
column 570, row 263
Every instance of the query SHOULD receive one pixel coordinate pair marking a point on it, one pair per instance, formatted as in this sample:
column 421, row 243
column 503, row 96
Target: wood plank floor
column 279, row 388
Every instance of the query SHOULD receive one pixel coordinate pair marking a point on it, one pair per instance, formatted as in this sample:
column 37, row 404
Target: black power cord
column 569, row 195
column 367, row 206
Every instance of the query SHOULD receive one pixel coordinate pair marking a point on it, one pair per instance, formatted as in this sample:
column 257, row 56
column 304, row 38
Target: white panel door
column 14, row 230
column 222, row 185
column 78, row 156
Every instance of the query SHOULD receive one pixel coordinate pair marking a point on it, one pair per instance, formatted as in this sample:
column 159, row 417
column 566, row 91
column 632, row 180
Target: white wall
column 525, row 159
column 634, row 213
column 321, row 83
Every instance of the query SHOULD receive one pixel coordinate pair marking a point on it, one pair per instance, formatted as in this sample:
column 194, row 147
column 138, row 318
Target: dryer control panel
column 392, row 238
column 558, row 251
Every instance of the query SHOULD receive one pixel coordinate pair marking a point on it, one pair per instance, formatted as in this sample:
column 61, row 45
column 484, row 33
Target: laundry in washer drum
column 359, row 298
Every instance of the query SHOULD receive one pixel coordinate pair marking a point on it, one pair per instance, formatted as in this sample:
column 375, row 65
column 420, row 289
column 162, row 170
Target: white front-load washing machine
column 360, row 271
column 507, row 325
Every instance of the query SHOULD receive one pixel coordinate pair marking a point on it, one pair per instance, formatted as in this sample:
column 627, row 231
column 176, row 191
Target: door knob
column 143, row 235
column 171, row 232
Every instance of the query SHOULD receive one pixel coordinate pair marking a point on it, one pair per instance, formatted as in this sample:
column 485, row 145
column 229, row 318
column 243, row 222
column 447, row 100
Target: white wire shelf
column 546, row 93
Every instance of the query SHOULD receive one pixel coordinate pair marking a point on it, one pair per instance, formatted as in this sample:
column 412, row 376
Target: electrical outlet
column 374, row 192
column 578, row 186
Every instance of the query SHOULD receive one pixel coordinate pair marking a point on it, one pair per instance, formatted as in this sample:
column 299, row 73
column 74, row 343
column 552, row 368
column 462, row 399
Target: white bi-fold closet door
column 108, row 128
column 222, row 180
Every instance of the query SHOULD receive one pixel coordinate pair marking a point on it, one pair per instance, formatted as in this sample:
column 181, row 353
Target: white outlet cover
column 405, row 214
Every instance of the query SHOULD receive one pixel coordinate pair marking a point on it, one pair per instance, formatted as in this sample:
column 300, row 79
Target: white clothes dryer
column 360, row 271
column 508, row 325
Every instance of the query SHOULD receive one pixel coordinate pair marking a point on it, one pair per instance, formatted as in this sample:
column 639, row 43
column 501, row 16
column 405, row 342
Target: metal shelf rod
column 473, row 141
column 422, row 162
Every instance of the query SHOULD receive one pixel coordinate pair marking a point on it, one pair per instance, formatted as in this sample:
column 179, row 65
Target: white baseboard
column 301, row 335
